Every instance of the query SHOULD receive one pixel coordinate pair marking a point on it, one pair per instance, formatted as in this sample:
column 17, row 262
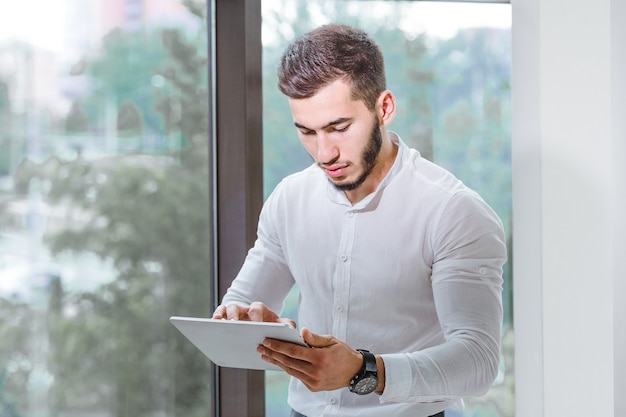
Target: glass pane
column 104, row 207
column 449, row 67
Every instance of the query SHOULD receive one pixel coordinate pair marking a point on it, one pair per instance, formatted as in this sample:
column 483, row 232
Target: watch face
column 366, row 385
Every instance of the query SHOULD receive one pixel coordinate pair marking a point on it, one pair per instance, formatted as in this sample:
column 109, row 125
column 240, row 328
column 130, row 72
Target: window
column 449, row 66
column 105, row 199
column 104, row 207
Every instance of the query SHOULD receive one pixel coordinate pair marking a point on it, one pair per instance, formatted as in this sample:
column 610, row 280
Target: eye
column 341, row 128
column 306, row 132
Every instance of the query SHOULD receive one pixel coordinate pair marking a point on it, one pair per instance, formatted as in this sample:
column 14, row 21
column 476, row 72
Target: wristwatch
column 366, row 380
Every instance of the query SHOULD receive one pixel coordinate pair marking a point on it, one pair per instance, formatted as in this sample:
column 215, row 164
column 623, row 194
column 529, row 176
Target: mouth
column 335, row 171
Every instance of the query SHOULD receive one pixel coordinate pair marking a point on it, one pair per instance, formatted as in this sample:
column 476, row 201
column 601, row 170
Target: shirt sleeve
column 264, row 275
column 469, row 252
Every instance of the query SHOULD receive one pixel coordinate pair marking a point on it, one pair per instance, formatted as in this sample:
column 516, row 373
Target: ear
column 386, row 107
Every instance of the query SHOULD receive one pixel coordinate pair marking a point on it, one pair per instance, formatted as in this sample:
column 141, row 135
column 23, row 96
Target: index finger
column 219, row 312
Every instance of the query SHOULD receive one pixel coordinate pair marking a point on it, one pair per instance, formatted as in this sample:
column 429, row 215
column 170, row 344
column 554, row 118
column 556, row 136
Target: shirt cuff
column 398, row 378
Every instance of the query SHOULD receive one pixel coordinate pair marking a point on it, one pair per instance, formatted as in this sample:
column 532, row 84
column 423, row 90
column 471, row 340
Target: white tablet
column 232, row 343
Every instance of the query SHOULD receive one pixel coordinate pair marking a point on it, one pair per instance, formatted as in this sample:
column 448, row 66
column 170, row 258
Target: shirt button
column 339, row 308
column 343, row 258
column 333, row 401
column 349, row 213
column 482, row 271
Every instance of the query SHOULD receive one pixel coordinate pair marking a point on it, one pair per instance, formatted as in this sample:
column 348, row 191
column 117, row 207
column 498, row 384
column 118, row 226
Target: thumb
column 316, row 340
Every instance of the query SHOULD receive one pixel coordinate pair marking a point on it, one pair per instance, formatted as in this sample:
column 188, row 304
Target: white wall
column 618, row 37
column 568, row 196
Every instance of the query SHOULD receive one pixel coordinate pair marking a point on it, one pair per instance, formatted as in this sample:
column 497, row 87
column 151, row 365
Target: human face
column 341, row 134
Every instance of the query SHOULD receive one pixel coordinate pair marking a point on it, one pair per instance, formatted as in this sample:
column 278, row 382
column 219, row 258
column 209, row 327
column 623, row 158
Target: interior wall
column 527, row 209
column 566, row 156
column 618, row 80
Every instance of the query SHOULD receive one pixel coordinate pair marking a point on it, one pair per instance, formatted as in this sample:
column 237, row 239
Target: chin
column 346, row 185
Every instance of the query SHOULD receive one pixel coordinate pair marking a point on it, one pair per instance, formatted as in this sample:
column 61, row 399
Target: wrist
column 366, row 380
column 380, row 365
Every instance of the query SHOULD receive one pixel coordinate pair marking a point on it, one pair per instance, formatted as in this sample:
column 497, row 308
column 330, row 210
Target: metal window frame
column 237, row 174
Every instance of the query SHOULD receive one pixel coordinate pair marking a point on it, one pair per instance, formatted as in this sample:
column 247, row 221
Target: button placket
column 342, row 276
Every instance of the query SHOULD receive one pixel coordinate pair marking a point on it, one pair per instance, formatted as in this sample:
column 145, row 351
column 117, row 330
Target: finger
column 287, row 359
column 316, row 340
column 236, row 312
column 281, row 349
column 289, row 322
column 306, row 372
column 287, row 365
column 260, row 312
column 219, row 312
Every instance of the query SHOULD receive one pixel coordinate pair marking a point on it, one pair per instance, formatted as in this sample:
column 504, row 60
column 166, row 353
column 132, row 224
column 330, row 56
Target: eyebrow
column 329, row 124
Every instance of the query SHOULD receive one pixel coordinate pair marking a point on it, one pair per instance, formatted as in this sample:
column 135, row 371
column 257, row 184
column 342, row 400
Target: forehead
column 331, row 102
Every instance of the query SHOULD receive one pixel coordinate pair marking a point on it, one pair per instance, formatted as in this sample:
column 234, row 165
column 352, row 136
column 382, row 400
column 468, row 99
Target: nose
column 327, row 151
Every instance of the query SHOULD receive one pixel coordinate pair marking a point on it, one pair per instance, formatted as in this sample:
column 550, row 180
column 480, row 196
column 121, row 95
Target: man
column 392, row 254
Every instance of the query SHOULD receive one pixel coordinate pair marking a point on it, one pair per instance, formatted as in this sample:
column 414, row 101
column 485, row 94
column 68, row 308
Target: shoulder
column 429, row 183
column 443, row 191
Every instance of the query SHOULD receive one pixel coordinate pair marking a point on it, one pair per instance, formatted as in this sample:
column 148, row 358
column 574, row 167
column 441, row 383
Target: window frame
column 238, row 174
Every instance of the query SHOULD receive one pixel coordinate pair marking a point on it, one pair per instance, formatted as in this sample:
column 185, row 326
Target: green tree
column 146, row 83
column 116, row 342
column 15, row 319
column 113, row 349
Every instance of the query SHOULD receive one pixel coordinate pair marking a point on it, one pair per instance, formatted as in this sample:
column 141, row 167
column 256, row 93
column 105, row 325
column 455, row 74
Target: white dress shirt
column 413, row 273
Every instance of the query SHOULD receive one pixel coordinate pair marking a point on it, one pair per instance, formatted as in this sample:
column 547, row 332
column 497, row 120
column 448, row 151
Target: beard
column 369, row 157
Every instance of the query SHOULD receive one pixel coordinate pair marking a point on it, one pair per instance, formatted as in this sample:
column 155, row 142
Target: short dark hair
column 329, row 53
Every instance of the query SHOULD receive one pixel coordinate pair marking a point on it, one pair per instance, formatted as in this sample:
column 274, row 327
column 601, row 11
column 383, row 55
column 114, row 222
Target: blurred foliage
column 15, row 366
column 144, row 83
column 112, row 350
column 150, row 218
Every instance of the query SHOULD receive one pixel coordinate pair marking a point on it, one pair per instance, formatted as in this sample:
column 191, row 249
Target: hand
column 327, row 365
column 256, row 311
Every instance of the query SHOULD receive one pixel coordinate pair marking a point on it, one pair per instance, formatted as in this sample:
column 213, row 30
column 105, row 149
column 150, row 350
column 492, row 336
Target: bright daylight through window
column 449, row 65
column 104, row 207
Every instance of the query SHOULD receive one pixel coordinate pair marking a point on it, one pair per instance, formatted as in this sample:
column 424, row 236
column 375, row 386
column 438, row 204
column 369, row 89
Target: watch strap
column 369, row 362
